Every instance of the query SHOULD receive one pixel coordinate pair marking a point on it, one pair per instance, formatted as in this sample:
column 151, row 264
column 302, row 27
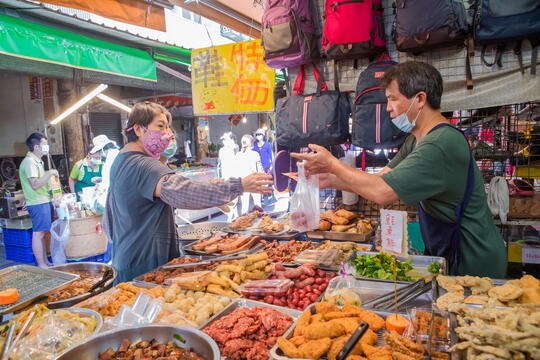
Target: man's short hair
column 34, row 139
column 415, row 76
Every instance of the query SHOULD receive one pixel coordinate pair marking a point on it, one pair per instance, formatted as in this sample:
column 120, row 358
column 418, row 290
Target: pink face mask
column 155, row 142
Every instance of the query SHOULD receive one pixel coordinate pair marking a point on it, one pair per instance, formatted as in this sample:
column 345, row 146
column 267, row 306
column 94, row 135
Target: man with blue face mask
column 434, row 169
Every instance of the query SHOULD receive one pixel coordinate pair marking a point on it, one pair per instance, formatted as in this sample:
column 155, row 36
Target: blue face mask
column 402, row 121
column 170, row 150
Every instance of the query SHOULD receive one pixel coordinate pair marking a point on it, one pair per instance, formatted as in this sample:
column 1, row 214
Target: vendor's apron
column 442, row 238
column 86, row 181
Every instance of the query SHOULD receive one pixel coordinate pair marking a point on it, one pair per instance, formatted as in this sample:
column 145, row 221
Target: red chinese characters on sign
column 248, row 58
column 392, row 230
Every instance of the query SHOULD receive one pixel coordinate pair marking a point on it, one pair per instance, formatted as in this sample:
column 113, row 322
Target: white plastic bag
column 59, row 239
column 305, row 202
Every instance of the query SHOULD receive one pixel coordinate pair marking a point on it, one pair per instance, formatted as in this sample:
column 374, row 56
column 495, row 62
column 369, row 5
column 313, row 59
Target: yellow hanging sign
column 231, row 78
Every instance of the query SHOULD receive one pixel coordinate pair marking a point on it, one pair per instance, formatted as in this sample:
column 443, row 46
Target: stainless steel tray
column 196, row 340
column 437, row 291
column 188, row 248
column 32, row 283
column 339, row 236
column 245, row 303
column 140, row 278
column 287, row 235
column 92, row 267
column 199, row 230
column 419, row 263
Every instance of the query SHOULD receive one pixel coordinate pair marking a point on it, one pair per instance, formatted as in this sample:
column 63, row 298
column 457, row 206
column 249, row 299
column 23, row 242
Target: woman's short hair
column 142, row 114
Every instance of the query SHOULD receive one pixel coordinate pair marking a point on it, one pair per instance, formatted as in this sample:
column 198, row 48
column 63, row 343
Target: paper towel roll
column 348, row 197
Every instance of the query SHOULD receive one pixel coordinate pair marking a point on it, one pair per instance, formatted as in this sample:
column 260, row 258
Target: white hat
column 100, row 142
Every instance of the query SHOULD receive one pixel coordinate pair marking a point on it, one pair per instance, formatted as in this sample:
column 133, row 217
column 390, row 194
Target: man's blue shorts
column 42, row 216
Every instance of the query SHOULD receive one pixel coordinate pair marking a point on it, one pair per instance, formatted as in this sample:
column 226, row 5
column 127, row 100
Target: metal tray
column 199, row 230
column 32, row 283
column 419, row 262
column 286, row 235
column 198, row 341
column 93, row 267
column 339, row 236
column 188, row 249
column 245, row 303
column 437, row 291
column 140, row 278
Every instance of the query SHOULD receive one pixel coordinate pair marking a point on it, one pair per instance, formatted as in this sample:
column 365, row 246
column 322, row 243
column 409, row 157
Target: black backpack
column 372, row 125
column 498, row 22
column 421, row 25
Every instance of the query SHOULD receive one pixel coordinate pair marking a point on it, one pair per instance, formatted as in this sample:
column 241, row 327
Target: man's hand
column 96, row 180
column 52, row 173
column 327, row 181
column 257, row 183
column 319, row 162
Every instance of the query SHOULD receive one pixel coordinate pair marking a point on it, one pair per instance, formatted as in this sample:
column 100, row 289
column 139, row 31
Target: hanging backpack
column 372, row 125
column 353, row 29
column 498, row 22
column 421, row 25
column 320, row 118
column 289, row 37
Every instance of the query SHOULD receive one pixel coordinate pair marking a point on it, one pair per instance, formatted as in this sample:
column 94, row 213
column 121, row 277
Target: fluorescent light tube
column 114, row 102
column 79, row 103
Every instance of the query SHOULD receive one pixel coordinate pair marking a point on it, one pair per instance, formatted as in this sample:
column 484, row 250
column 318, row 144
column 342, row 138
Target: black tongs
column 108, row 275
column 353, row 340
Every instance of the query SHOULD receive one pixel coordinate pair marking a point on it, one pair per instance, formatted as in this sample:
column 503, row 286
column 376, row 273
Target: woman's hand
column 319, row 162
column 257, row 183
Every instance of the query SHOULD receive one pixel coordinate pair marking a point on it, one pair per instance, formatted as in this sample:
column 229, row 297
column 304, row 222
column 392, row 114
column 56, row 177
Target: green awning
column 41, row 43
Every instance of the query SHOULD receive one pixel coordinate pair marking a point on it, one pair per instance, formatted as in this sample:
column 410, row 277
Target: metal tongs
column 10, row 343
column 353, row 340
column 108, row 275
column 404, row 295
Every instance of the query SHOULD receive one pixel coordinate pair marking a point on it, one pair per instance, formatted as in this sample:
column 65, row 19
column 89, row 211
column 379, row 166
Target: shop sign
column 394, row 231
column 231, row 78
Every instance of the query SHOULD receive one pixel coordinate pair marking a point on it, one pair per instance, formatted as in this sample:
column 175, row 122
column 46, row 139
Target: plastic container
column 419, row 325
column 329, row 258
column 20, row 254
column 263, row 288
column 18, row 237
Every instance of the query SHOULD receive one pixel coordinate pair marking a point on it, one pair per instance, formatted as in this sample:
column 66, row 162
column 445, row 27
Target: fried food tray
column 438, row 291
column 339, row 236
column 283, row 235
column 245, row 303
column 188, row 249
column 420, row 263
column 32, row 283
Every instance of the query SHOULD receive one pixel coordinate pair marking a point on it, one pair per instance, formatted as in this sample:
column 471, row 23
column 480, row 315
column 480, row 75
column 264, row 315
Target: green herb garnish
column 179, row 338
column 434, row 267
column 380, row 266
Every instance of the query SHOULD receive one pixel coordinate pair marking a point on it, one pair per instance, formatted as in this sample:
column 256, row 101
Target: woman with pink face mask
column 143, row 191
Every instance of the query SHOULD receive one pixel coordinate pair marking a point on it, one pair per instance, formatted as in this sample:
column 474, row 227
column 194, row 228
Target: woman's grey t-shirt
column 142, row 226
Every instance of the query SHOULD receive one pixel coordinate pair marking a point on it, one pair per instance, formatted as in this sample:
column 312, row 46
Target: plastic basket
column 20, row 254
column 101, row 258
column 18, row 238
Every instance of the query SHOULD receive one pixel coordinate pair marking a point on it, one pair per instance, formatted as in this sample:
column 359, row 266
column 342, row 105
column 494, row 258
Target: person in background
column 109, row 151
column 86, row 172
column 37, row 193
column 227, row 156
column 143, row 191
column 170, row 151
column 248, row 162
column 264, row 148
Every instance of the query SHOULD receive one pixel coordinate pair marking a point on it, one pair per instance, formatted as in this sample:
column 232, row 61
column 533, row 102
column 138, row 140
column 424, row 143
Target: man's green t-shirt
column 32, row 167
column 434, row 174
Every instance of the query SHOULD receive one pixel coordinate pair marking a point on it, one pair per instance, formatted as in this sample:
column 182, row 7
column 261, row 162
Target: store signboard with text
column 394, row 232
column 231, row 78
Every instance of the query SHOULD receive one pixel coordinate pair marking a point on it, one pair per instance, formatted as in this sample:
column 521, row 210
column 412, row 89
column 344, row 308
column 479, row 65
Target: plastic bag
column 59, row 240
column 305, row 205
column 144, row 310
column 343, row 290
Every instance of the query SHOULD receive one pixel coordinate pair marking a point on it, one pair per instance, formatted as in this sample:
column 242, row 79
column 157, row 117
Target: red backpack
column 353, row 29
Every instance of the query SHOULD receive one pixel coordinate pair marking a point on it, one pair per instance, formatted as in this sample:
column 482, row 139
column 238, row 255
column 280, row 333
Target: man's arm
column 36, row 183
column 71, row 184
column 384, row 170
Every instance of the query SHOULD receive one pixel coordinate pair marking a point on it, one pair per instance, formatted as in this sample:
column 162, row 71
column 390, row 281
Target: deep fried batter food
column 316, row 318
column 530, row 296
column 303, row 321
column 377, row 353
column 370, row 338
column 325, row 225
column 322, row 330
column 315, row 349
column 374, row 321
column 467, row 280
column 324, row 307
column 529, row 281
column 449, row 283
column 350, row 324
column 476, row 299
column 338, row 314
column 288, row 348
column 355, row 357
column 336, row 347
column 449, row 298
column 298, row 340
column 483, row 286
column 346, row 214
column 506, row 292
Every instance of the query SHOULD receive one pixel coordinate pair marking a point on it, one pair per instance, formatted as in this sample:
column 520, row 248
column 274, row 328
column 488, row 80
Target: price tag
column 394, row 232
column 530, row 255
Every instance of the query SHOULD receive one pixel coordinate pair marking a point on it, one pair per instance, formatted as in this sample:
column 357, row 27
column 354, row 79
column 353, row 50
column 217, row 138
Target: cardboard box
column 523, row 253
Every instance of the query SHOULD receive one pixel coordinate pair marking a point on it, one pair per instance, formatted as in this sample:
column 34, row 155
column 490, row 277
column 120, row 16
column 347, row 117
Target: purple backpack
column 289, row 38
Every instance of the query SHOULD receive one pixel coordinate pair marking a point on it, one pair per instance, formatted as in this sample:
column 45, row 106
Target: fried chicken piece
column 350, row 324
column 288, row 348
column 370, row 338
column 316, row 318
column 449, row 283
column 334, row 219
column 377, row 353
column 315, row 349
column 403, row 345
column 338, row 315
column 323, row 330
column 506, row 292
column 530, row 296
column 324, row 307
column 374, row 321
column 336, row 346
column 449, row 298
column 529, row 281
column 266, row 220
column 325, row 225
column 346, row 214
column 400, row 356
column 298, row 340
column 483, row 286
column 476, row 299
column 303, row 321
column 355, row 357
column 467, row 280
